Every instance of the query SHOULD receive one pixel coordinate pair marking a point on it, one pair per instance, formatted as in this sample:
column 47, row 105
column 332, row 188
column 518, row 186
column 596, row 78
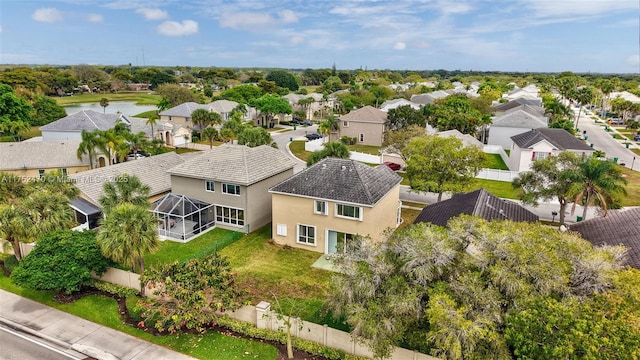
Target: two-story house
column 323, row 207
column 538, row 144
column 366, row 124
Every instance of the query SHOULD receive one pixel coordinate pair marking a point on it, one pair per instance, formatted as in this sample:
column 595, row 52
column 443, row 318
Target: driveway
column 284, row 137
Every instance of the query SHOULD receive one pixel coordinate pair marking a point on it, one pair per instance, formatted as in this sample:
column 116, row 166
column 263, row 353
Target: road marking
column 39, row 343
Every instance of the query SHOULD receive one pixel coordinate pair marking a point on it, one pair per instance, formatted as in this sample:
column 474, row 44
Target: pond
column 129, row 108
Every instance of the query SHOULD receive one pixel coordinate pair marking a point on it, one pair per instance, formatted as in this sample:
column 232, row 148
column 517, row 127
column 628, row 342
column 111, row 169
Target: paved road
column 284, row 138
column 603, row 140
column 19, row 346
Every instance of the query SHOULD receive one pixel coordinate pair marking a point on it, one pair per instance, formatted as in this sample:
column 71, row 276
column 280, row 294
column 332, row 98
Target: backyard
column 140, row 98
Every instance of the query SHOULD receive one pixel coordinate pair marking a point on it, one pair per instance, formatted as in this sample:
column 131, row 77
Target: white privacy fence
column 498, row 175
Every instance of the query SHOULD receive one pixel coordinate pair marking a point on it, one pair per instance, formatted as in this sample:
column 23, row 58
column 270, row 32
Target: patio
column 181, row 218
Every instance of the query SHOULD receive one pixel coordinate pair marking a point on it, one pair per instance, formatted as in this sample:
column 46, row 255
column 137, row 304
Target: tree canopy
column 440, row 164
column 176, row 94
column 253, row 136
column 62, row 261
column 334, row 149
column 284, row 79
column 404, row 116
column 456, row 112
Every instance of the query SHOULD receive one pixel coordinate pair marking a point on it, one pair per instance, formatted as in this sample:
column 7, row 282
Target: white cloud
column 288, row 16
column 47, row 15
column 174, row 28
column 297, row 39
column 246, row 21
column 578, row 7
column 152, row 14
column 94, row 18
column 399, row 46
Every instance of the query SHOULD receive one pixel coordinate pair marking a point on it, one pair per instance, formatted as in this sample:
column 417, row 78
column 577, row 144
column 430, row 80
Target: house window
column 170, row 118
column 320, row 207
column 231, row 189
column 229, row 215
column 306, row 234
column 63, row 172
column 361, row 137
column 345, row 124
column 540, row 155
column 41, row 173
column 209, row 185
column 348, row 211
column 281, row 229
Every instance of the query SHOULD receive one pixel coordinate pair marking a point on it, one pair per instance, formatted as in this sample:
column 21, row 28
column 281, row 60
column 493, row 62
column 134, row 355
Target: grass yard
column 297, row 149
column 171, row 251
column 367, row 149
column 182, row 150
column 104, row 311
column 501, row 189
column 151, row 114
column 140, row 98
column 633, row 185
column 494, row 161
column 408, row 216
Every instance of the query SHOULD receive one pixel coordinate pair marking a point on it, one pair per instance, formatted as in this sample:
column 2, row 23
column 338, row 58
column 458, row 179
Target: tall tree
column 127, row 233
column 333, row 149
column 600, row 183
column 552, row 178
column 583, row 96
column 253, row 136
column 201, row 118
column 456, row 112
column 104, row 102
column 46, row 110
column 397, row 140
column 284, row 79
column 88, row 145
column 272, row 104
column 329, row 126
column 176, row 94
column 441, row 164
column 124, row 189
column 404, row 116
column 210, row 134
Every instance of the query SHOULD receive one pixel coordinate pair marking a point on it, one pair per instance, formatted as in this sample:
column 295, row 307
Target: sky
column 597, row 36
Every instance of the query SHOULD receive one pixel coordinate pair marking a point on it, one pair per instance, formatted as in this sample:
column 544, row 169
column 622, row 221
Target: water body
column 128, row 108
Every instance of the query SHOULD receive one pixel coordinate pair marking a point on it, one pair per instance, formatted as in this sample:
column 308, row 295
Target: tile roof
column 39, row 155
column 466, row 139
column 531, row 109
column 151, row 171
column 222, row 106
column 479, row 203
column 519, row 119
column 559, row 138
column 619, row 227
column 238, row 164
column 184, row 109
column 341, row 180
column 517, row 102
column 85, row 120
column 367, row 114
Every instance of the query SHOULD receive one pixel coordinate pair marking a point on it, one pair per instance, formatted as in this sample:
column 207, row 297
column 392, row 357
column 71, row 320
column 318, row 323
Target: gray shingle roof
column 559, row 138
column 222, row 106
column 533, row 110
column 341, row 180
column 42, row 155
column 517, row 102
column 85, row 120
column 479, row 203
column 151, row 171
column 237, row 164
column 184, row 109
column 466, row 139
column 619, row 227
column 367, row 114
column 520, row 119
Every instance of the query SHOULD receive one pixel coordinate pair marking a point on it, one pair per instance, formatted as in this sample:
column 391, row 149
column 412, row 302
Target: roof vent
column 344, row 168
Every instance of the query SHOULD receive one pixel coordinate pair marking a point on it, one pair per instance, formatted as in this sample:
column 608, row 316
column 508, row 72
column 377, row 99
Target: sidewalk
column 71, row 332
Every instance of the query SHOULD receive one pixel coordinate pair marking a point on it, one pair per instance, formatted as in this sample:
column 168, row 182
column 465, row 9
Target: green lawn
column 104, row 311
column 501, row 189
column 182, row 150
column 151, row 114
column 297, row 149
column 494, row 161
column 171, row 251
column 633, row 184
column 140, row 98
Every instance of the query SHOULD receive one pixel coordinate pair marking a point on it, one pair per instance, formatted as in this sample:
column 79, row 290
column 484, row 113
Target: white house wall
column 499, row 135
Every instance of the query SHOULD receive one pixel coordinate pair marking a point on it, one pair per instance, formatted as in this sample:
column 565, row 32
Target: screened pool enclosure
column 181, row 218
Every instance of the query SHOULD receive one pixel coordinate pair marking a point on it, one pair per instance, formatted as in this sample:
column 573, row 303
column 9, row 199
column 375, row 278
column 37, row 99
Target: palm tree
column 200, row 118
column 12, row 227
column 12, row 188
column 46, row 212
column 152, row 121
column 104, row 102
column 163, row 105
column 329, row 126
column 126, row 189
column 88, row 146
column 214, row 119
column 601, row 183
column 127, row 234
column 210, row 134
column 136, row 142
column 583, row 96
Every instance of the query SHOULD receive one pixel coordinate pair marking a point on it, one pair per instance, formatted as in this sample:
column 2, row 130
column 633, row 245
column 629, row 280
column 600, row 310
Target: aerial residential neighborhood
column 356, row 180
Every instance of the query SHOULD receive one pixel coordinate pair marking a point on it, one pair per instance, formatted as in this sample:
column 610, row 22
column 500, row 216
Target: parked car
column 636, row 137
column 135, row 156
column 307, row 123
column 295, row 122
column 393, row 166
column 615, row 121
column 313, row 136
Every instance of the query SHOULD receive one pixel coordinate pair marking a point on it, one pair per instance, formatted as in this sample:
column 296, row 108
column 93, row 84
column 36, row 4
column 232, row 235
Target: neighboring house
column 235, row 179
column 181, row 114
column 70, row 127
column 396, row 103
column 35, row 159
column 479, row 203
column 151, row 171
column 319, row 103
column 366, row 124
column 503, row 107
column 619, row 227
column 466, row 139
column 323, row 207
column 429, row 98
column 540, row 143
column 513, row 122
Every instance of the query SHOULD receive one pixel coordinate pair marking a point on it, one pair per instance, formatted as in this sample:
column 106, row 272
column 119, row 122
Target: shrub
column 348, row 140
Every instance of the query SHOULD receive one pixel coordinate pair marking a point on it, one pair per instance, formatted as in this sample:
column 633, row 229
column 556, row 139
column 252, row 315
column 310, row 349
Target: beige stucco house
column 366, row 124
column 35, row 159
column 323, row 207
column 235, row 179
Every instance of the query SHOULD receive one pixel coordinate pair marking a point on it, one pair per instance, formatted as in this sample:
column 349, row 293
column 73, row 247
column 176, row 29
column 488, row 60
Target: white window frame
column 63, row 171
column 228, row 220
column 540, row 155
column 315, row 235
column 361, row 137
column 325, row 210
column 41, row 173
column 281, row 229
column 337, row 212
column 206, row 185
column 225, row 189
column 345, row 124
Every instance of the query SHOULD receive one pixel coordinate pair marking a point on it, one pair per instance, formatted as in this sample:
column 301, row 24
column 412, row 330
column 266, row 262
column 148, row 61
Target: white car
column 135, row 156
